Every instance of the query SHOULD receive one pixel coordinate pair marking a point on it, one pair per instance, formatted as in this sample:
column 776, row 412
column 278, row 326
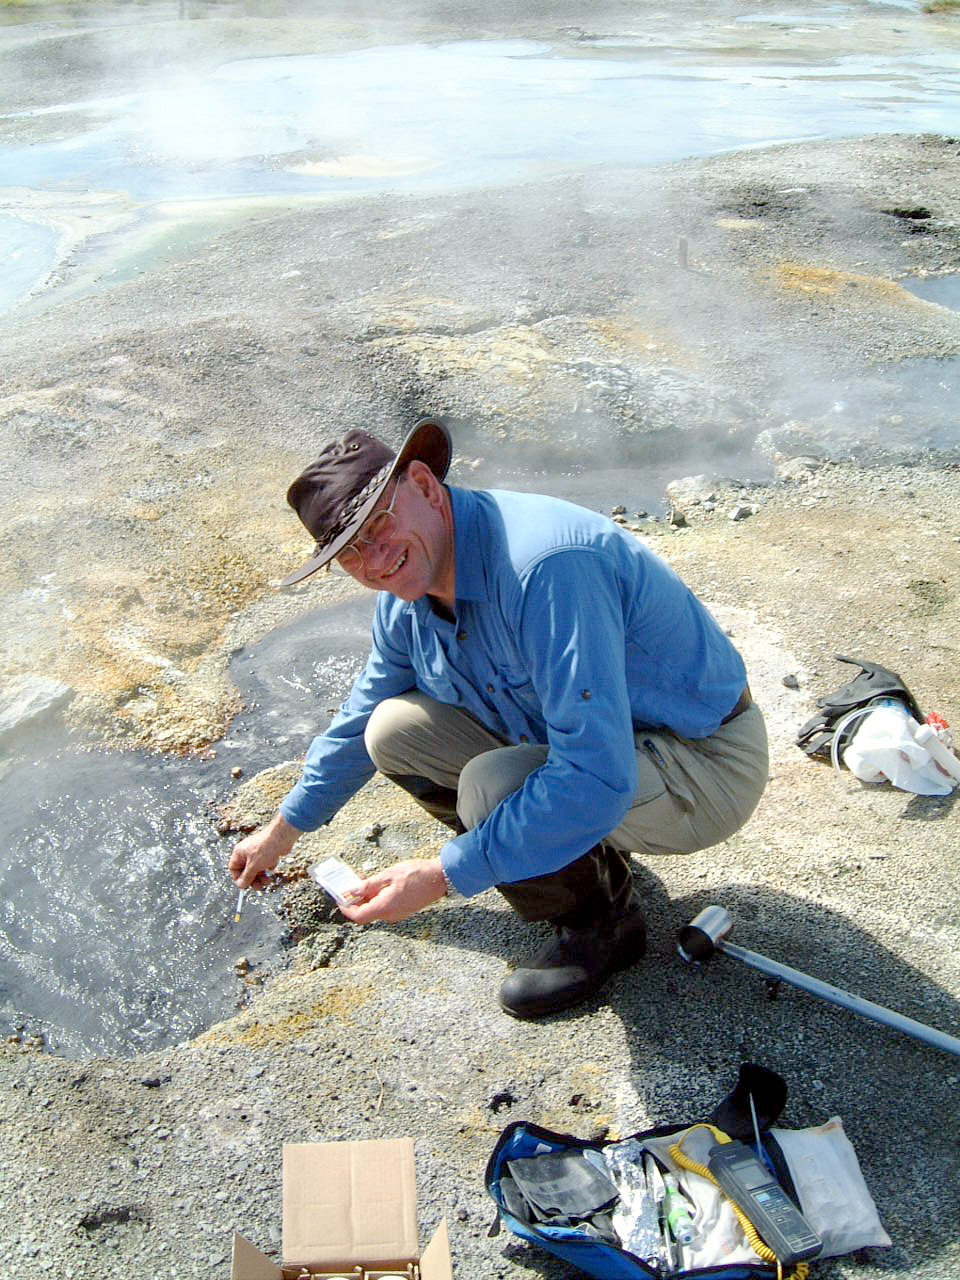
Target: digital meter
column 750, row 1186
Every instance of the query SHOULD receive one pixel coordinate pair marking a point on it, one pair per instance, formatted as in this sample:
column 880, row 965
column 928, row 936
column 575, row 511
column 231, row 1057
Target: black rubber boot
column 591, row 888
column 576, row 963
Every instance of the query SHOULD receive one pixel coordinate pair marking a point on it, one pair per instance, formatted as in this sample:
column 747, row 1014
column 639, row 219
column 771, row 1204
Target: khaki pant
column 691, row 793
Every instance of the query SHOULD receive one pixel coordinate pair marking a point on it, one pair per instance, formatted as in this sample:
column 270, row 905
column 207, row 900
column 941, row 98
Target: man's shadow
column 689, row 1027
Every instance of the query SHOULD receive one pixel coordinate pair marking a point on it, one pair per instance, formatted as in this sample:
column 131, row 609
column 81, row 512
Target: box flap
column 435, row 1262
column 250, row 1264
column 346, row 1202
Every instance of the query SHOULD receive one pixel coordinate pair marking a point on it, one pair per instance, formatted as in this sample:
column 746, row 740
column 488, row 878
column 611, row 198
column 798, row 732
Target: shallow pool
column 943, row 290
column 116, row 916
column 27, row 252
column 454, row 116
column 117, row 931
column 464, row 114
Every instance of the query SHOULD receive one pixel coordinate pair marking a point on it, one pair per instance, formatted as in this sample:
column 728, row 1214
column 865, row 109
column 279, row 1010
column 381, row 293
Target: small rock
column 28, row 698
column 619, row 510
column 796, row 470
column 690, row 491
column 500, row 1101
column 790, row 681
column 677, row 519
column 741, row 511
column 236, row 772
column 229, row 824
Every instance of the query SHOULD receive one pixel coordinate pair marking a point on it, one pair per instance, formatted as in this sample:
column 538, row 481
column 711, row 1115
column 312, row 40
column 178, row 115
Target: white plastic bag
column 884, row 749
column 833, row 1195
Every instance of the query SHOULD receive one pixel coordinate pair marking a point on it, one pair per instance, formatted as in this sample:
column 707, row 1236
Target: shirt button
column 489, row 688
column 586, row 695
column 461, row 636
column 524, row 738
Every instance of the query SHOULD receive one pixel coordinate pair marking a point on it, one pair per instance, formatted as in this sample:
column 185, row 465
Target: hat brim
column 429, row 441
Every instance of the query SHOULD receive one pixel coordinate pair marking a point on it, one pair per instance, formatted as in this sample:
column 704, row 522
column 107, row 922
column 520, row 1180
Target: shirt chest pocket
column 518, row 687
column 435, row 674
column 440, row 687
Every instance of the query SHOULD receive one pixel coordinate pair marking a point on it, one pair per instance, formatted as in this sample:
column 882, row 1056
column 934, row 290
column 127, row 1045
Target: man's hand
column 398, row 892
column 260, row 852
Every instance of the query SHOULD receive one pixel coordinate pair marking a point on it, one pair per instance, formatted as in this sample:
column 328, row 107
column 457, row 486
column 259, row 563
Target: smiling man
column 540, row 682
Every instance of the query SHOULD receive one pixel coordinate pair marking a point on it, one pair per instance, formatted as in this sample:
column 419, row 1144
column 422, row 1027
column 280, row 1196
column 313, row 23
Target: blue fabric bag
column 608, row 1261
column 594, row 1257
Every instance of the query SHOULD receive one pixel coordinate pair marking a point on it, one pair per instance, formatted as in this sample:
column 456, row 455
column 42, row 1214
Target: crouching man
column 540, row 682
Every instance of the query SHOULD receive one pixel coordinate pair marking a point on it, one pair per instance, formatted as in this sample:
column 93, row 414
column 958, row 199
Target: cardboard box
column 344, row 1204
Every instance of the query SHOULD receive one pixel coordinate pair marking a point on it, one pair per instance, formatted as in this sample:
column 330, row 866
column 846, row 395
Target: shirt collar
column 470, row 569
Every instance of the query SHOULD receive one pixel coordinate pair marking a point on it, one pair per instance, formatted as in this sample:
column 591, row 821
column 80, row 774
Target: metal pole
column 939, row 1039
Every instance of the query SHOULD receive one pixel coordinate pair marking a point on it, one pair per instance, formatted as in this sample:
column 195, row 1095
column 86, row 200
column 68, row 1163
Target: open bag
column 619, row 1230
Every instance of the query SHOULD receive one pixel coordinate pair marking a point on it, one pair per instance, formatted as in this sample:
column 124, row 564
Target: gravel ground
column 561, row 313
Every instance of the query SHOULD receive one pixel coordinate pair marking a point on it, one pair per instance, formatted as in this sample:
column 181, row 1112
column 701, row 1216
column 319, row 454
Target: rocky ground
column 150, row 428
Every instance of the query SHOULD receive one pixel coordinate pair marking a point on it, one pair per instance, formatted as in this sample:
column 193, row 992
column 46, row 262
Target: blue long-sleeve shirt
column 568, row 632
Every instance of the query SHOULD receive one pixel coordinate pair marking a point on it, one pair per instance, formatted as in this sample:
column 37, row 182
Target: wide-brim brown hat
column 336, row 493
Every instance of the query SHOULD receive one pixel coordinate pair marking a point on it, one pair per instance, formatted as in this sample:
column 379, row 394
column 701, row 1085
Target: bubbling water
column 117, row 931
column 116, row 918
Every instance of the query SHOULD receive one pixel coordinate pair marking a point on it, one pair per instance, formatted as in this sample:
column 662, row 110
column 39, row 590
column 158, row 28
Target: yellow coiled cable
column 801, row 1270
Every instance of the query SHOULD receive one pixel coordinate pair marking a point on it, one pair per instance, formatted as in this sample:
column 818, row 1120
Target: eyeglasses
column 383, row 525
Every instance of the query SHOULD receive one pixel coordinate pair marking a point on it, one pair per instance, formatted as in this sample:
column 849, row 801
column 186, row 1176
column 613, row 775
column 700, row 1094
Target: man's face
column 414, row 556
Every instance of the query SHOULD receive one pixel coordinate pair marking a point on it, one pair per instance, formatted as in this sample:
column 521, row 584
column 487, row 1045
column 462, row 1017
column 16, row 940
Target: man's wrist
column 282, row 835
